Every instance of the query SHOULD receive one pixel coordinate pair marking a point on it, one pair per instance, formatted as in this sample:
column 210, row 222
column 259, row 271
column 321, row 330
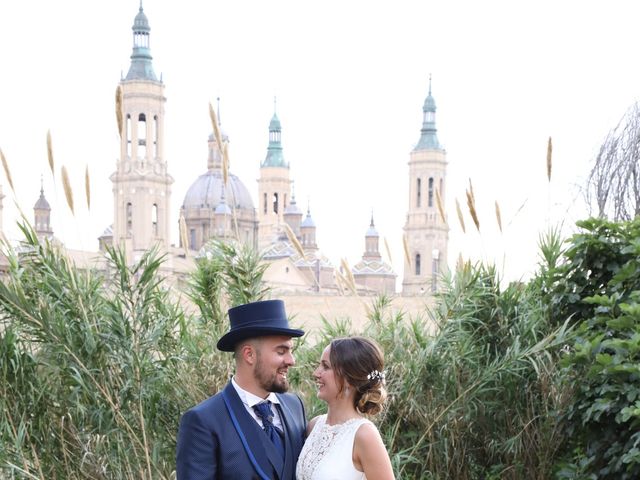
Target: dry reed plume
column 473, row 196
column 498, row 216
column 50, row 154
column 216, row 127
column 440, row 207
column 405, row 246
column 471, row 203
column 119, row 120
column 7, row 172
column 386, row 246
column 87, row 187
column 340, row 282
column 549, row 150
column 225, row 162
column 68, row 193
column 460, row 217
column 348, row 275
column 293, row 239
column 182, row 223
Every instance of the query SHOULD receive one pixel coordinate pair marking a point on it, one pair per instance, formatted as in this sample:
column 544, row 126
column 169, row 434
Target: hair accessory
column 376, row 375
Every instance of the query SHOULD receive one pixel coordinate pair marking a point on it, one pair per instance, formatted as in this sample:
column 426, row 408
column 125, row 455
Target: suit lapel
column 261, row 446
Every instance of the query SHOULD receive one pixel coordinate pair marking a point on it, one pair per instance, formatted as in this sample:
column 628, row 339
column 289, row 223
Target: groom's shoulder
column 292, row 400
column 213, row 402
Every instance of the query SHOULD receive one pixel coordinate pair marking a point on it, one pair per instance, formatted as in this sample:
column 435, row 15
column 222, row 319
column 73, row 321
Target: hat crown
column 257, row 319
column 258, row 314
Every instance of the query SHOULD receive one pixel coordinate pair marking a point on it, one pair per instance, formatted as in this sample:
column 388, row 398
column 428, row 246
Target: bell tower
column 274, row 187
column 141, row 183
column 426, row 233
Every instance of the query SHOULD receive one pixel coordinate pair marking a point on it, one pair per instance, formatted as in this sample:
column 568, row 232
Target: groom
column 252, row 429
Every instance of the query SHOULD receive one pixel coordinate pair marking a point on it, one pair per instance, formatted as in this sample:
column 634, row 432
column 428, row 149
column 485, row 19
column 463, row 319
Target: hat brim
column 228, row 342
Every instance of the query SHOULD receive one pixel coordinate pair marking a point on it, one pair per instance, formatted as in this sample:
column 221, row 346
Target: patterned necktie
column 263, row 410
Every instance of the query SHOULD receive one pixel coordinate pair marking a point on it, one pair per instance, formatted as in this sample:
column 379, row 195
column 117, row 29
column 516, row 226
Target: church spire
column 141, row 67
column 274, row 156
column 428, row 136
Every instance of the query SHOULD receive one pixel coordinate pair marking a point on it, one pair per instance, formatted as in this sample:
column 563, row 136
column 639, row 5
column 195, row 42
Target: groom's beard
column 270, row 380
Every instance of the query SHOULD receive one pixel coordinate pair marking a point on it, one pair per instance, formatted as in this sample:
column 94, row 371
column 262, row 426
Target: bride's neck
column 340, row 411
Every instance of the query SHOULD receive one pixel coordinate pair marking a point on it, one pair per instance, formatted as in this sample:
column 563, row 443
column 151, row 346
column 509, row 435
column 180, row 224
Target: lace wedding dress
column 327, row 453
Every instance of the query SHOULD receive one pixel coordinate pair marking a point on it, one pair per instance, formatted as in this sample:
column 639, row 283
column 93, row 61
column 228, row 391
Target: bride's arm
column 370, row 455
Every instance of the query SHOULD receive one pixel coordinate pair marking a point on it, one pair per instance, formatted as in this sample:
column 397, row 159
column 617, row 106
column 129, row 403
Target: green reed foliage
column 476, row 399
column 96, row 369
column 93, row 365
column 87, row 365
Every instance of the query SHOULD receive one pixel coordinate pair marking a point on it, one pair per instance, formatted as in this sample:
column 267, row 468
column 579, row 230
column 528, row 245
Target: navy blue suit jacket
column 209, row 447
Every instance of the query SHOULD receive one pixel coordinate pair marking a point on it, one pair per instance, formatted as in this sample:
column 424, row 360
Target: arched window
column 265, row 204
column 129, row 218
column 430, row 194
column 418, row 193
column 142, row 135
column 154, row 219
column 275, row 203
column 417, row 264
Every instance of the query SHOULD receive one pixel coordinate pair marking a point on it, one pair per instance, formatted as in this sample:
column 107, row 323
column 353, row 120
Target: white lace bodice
column 328, row 452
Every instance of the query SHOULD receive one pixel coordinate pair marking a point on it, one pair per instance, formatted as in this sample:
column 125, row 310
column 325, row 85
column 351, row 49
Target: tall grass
column 96, row 369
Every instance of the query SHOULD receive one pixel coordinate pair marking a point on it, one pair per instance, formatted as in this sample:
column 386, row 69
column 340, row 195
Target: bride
column 343, row 444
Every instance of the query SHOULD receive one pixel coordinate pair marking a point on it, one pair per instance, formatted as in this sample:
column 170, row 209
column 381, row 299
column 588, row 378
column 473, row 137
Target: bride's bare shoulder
column 311, row 424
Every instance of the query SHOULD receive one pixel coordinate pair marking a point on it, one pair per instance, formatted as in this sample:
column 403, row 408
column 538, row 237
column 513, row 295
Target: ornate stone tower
column 426, row 233
column 372, row 272
column 274, row 187
column 141, row 183
column 42, row 216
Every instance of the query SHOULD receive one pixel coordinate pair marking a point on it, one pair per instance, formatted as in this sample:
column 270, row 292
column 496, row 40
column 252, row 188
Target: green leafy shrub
column 598, row 289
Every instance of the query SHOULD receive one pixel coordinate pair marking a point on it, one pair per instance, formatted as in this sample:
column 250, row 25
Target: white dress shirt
column 249, row 400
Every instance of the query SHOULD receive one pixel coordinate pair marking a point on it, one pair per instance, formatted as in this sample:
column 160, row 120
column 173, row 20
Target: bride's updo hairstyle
column 359, row 362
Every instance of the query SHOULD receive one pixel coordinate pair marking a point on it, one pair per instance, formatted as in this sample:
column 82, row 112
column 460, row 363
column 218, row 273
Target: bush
column 598, row 289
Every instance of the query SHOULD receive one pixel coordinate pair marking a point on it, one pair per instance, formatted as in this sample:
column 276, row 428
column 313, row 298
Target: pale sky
column 350, row 78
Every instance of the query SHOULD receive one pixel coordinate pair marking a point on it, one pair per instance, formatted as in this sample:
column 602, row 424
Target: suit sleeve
column 304, row 413
column 197, row 449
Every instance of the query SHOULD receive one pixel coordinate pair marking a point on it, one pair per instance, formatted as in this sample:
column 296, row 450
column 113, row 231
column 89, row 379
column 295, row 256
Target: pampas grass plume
column 293, row 239
column 472, row 208
column 440, row 207
column 68, row 193
column 225, row 162
column 386, row 246
column 7, row 172
column 87, row 187
column 119, row 119
column 405, row 246
column 216, row 127
column 348, row 275
column 50, row 154
column 182, row 223
column 460, row 217
column 498, row 216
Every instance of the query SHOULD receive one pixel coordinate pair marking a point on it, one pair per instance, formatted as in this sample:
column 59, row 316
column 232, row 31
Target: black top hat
column 258, row 319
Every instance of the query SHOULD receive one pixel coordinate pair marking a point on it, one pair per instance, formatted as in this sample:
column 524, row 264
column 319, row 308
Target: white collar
column 249, row 399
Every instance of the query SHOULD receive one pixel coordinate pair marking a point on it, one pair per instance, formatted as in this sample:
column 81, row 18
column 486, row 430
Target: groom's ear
column 248, row 353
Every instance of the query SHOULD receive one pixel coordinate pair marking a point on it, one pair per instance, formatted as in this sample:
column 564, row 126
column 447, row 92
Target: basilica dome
column 207, row 192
